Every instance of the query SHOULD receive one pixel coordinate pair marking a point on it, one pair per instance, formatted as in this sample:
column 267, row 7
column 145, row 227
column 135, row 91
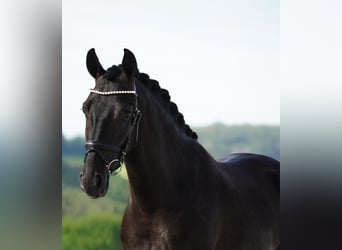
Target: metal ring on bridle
column 114, row 171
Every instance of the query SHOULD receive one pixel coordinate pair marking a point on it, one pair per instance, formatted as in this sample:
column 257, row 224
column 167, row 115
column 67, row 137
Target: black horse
column 181, row 198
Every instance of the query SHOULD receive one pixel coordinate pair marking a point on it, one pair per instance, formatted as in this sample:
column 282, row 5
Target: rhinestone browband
column 116, row 92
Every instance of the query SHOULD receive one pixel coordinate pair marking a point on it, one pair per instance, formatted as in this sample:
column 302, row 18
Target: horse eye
column 126, row 115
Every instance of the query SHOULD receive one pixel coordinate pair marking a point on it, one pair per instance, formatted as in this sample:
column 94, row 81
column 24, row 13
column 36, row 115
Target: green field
column 97, row 231
column 94, row 224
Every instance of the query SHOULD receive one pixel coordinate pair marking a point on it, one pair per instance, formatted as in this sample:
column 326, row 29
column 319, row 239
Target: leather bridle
column 120, row 151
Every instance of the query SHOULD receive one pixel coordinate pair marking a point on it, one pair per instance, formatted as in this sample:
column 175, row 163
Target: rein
column 121, row 151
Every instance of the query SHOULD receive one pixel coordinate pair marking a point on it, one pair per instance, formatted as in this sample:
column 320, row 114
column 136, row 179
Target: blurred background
column 218, row 59
column 31, row 103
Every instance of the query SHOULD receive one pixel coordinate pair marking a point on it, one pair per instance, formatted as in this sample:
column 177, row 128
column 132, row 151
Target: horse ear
column 129, row 63
column 93, row 65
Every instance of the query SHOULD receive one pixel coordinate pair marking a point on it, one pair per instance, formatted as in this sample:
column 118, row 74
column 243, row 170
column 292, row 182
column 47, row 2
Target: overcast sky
column 218, row 59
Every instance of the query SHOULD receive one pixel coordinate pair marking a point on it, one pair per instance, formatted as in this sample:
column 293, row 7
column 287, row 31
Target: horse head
column 112, row 116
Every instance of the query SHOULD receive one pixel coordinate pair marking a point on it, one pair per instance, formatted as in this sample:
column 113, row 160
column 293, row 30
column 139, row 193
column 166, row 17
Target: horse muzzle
column 94, row 179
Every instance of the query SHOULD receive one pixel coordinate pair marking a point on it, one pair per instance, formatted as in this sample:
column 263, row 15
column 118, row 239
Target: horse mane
column 162, row 95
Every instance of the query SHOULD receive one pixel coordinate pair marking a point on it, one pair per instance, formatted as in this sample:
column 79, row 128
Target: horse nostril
column 98, row 180
column 81, row 182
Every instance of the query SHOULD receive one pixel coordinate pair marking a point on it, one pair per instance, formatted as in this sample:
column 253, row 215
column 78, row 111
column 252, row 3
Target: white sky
column 218, row 59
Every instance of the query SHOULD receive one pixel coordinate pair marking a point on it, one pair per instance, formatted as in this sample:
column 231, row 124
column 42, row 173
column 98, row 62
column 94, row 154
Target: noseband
column 119, row 151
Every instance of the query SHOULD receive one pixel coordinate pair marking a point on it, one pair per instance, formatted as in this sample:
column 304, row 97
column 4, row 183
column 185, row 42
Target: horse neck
column 165, row 158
